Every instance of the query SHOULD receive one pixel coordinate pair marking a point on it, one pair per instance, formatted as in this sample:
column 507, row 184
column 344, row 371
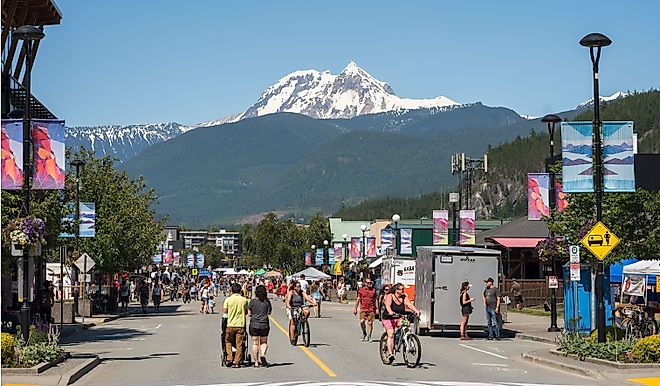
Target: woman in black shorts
column 466, row 309
column 258, row 310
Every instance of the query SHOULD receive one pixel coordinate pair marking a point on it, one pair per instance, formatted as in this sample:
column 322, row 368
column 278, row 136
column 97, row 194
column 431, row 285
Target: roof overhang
column 516, row 242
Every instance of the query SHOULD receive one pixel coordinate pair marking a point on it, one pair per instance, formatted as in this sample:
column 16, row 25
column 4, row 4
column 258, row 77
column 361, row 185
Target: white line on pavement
column 490, row 364
column 483, row 351
column 158, row 326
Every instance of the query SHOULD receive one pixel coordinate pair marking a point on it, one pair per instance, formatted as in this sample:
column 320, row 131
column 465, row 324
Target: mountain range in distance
column 312, row 142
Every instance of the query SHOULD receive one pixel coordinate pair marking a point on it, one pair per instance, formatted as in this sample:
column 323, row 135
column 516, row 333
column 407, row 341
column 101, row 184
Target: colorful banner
column 577, row 157
column 634, row 285
column 168, row 256
column 308, row 258
column 386, row 237
column 339, row 251
column 467, row 227
column 157, row 258
column 87, row 219
column 538, row 195
column 406, row 241
column 200, row 260
column 331, row 256
column 561, row 198
column 319, row 256
column 370, row 248
column 12, row 154
column 440, row 227
column 618, row 157
column 49, row 154
column 356, row 248
column 176, row 258
column 190, row 260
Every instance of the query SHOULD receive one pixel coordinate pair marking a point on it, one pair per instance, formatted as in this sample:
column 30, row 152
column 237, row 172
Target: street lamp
column 29, row 34
column 552, row 120
column 395, row 219
column 76, row 163
column 595, row 41
column 363, row 228
column 326, row 251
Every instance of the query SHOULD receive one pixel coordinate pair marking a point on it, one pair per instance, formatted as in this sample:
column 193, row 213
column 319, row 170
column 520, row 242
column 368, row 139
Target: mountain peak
column 352, row 67
column 616, row 95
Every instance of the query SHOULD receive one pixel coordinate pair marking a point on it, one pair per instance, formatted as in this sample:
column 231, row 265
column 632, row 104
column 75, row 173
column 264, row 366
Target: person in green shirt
column 235, row 309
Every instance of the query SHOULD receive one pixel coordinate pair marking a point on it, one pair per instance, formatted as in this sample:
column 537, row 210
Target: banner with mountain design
column 468, row 236
column 12, row 154
column 538, row 197
column 386, row 236
column 577, row 157
column 356, row 248
column 440, row 227
column 319, row 256
column 370, row 247
column 308, row 258
column 339, row 251
column 406, row 241
column 48, row 147
column 618, row 157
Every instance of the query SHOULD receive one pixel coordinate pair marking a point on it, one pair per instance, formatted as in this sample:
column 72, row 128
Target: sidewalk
column 97, row 319
column 531, row 327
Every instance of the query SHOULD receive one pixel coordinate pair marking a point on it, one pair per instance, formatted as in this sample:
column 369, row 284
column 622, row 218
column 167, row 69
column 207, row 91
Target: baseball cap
column 490, row 279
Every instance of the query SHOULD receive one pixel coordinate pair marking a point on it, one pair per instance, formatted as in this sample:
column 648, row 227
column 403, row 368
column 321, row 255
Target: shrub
column 39, row 353
column 8, row 350
column 612, row 334
column 37, row 335
column 584, row 347
column 647, row 350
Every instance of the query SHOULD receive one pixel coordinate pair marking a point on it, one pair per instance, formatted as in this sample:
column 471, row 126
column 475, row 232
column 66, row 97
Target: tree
column 213, row 255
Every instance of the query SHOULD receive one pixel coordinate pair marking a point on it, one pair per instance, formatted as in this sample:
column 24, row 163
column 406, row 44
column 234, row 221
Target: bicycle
column 405, row 340
column 301, row 326
column 639, row 323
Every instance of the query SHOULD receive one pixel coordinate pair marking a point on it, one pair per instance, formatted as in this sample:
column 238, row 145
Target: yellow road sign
column 195, row 271
column 600, row 240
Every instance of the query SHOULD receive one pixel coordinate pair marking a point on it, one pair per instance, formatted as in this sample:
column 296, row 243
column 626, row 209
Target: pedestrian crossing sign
column 195, row 271
column 600, row 240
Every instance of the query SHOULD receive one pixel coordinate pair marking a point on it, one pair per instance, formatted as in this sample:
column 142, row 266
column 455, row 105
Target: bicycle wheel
column 305, row 333
column 412, row 350
column 384, row 355
column 650, row 328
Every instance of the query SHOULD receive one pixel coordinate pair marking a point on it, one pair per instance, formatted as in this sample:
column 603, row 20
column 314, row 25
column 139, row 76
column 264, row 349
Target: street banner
column 308, row 258
column 561, row 198
column 12, row 154
column 634, row 285
column 467, row 218
column 200, row 260
column 406, row 241
column 157, row 259
column 339, row 251
column 87, row 219
column 331, row 256
column 577, row 157
column 49, row 162
column 657, row 284
column 168, row 257
column 618, row 157
column 386, row 237
column 440, row 227
column 538, row 197
column 356, row 248
column 370, row 248
column 319, row 256
column 176, row 258
column 190, row 260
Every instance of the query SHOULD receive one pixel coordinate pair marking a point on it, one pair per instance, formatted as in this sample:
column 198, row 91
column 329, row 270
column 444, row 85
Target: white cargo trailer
column 439, row 272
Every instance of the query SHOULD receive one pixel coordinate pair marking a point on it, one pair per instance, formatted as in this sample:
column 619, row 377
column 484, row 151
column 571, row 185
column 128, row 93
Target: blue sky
column 125, row 62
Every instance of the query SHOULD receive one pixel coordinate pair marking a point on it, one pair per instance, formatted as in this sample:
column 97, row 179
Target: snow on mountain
column 323, row 95
column 123, row 142
column 612, row 97
column 221, row 121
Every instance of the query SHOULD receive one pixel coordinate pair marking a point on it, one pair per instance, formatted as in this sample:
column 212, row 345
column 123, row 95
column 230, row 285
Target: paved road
column 179, row 346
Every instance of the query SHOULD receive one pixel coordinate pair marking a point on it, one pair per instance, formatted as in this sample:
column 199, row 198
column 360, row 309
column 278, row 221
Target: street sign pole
column 574, row 265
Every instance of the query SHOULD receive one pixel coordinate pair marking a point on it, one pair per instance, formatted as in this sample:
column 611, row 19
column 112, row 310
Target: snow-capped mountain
column 123, row 142
column 323, row 95
column 610, row 98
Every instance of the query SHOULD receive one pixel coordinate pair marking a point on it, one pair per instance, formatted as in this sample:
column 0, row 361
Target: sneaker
column 364, row 337
column 498, row 338
column 391, row 359
column 490, row 337
column 369, row 338
column 264, row 363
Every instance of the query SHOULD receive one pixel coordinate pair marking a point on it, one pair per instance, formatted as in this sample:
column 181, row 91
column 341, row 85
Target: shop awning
column 518, row 242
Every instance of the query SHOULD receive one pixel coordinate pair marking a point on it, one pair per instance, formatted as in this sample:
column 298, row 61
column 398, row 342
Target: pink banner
column 467, row 227
column 169, row 257
column 308, row 258
column 538, row 202
column 176, row 258
column 440, row 227
column 356, row 248
column 49, row 158
column 12, row 154
column 339, row 251
column 370, row 247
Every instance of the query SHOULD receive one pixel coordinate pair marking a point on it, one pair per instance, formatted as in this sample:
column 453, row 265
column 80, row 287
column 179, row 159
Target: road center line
column 483, row 351
column 313, row 357
column 490, row 364
column 158, row 326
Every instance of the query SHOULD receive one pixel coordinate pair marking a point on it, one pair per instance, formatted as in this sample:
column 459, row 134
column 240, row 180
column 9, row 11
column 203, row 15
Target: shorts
column 391, row 324
column 367, row 315
column 124, row 298
column 261, row 332
column 466, row 311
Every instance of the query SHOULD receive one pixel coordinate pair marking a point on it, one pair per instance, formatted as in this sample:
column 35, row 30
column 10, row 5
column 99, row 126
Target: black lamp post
column 552, row 120
column 395, row 219
column 363, row 228
column 76, row 163
column 326, row 252
column 29, row 34
column 595, row 41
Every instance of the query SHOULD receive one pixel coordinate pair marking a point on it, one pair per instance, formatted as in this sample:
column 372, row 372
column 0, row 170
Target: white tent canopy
column 311, row 274
column 643, row 267
column 376, row 262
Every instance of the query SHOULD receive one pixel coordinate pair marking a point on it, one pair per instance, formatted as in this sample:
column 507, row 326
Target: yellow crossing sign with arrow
column 600, row 240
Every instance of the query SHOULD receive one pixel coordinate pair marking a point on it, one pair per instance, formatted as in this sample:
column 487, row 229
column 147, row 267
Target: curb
column 36, row 369
column 81, row 370
column 605, row 362
column 535, row 338
column 557, row 364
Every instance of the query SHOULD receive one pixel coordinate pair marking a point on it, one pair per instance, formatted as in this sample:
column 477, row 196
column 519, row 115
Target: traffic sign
column 574, row 264
column 600, row 240
column 194, row 271
column 553, row 282
column 575, row 253
column 80, row 263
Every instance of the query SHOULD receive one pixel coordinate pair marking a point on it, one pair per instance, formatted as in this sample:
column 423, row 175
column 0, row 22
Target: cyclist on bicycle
column 396, row 304
column 295, row 299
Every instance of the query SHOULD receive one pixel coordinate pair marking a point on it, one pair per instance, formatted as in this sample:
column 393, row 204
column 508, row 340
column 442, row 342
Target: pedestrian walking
column 193, row 290
column 204, row 309
column 367, row 300
column 211, row 303
column 124, row 294
column 516, row 291
column 492, row 303
column 341, row 290
column 235, row 307
column 143, row 290
column 303, row 283
column 466, row 309
column 315, row 292
column 385, row 289
column 156, row 294
column 258, row 310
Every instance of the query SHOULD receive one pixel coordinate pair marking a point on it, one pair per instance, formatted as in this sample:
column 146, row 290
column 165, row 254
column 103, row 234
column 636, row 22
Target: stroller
column 247, row 357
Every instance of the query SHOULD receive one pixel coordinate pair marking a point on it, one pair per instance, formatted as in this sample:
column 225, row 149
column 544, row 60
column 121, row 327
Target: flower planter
column 69, row 314
column 36, row 369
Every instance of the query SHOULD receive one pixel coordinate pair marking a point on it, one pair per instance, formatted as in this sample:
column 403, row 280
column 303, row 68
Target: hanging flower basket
column 27, row 234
